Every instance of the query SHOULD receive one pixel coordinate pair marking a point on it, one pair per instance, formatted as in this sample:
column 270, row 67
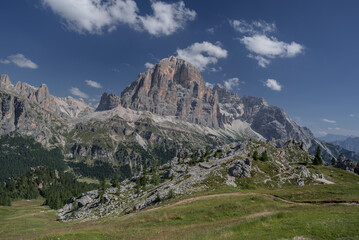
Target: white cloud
column 265, row 48
column 256, row 27
column 210, row 85
column 95, row 16
column 93, row 84
column 262, row 61
column 4, row 61
column 202, row 54
column 273, row 84
column 77, row 92
column 167, row 18
column 149, row 65
column 351, row 115
column 328, row 121
column 232, row 83
column 20, row 60
column 210, row 30
column 213, row 69
column 271, row 47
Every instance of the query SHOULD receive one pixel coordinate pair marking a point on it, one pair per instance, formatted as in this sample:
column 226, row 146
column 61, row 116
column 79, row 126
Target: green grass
column 224, row 217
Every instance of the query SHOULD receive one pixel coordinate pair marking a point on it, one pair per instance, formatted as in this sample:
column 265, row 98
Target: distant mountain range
column 169, row 110
column 333, row 137
column 351, row 143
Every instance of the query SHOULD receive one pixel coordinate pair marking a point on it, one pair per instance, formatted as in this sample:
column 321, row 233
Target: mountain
column 167, row 111
column 33, row 111
column 174, row 87
column 351, row 143
column 332, row 137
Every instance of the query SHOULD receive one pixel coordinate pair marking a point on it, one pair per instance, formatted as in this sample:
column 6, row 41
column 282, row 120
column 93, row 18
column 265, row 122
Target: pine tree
column 318, row 159
column 334, row 161
column 255, row 155
column 171, row 194
column 264, row 156
column 114, row 181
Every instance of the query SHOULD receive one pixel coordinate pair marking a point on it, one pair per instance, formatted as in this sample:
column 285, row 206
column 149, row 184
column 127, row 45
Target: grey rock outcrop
column 303, row 172
column 241, row 168
column 108, row 102
column 347, row 164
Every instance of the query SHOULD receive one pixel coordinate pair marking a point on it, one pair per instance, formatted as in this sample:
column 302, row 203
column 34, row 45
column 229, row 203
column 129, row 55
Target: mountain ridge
column 167, row 111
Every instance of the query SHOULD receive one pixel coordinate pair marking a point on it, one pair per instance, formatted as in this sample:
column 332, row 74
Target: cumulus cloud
column 255, row 27
column 149, row 65
column 77, row 92
column 95, row 16
column 263, row 48
column 271, row 47
column 20, row 60
column 93, row 84
column 273, row 84
column 329, row 121
column 202, row 54
column 167, row 18
column 232, row 83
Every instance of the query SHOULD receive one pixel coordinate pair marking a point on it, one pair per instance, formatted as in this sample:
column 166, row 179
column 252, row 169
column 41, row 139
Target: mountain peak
column 173, row 87
column 4, row 81
column 179, row 71
column 108, row 101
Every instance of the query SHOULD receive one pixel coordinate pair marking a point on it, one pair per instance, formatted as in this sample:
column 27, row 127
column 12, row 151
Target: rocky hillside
column 240, row 165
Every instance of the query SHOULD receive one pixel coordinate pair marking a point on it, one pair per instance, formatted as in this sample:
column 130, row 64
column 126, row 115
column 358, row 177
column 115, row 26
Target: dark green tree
column 170, row 194
column 318, row 159
column 114, row 181
column 334, row 161
column 264, row 156
column 255, row 155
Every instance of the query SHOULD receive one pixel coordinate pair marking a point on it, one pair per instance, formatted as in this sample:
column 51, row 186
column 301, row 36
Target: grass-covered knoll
column 19, row 153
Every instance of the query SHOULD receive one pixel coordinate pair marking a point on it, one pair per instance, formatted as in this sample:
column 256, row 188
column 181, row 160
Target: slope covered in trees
column 19, row 153
column 56, row 187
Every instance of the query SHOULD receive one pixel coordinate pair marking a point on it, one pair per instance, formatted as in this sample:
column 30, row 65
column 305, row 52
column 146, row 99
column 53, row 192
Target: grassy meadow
column 313, row 212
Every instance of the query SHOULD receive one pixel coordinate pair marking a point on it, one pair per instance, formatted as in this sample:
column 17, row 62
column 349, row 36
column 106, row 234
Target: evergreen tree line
column 56, row 187
column 19, row 153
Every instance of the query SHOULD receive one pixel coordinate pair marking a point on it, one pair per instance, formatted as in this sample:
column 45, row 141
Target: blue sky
column 299, row 55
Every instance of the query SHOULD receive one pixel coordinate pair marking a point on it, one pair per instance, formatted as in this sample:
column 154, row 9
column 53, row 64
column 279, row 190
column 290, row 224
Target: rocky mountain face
column 108, row 102
column 27, row 118
column 174, row 87
column 67, row 107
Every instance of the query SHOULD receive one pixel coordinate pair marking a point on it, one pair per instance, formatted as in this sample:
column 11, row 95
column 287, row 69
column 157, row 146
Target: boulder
column 241, row 168
column 303, row 171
